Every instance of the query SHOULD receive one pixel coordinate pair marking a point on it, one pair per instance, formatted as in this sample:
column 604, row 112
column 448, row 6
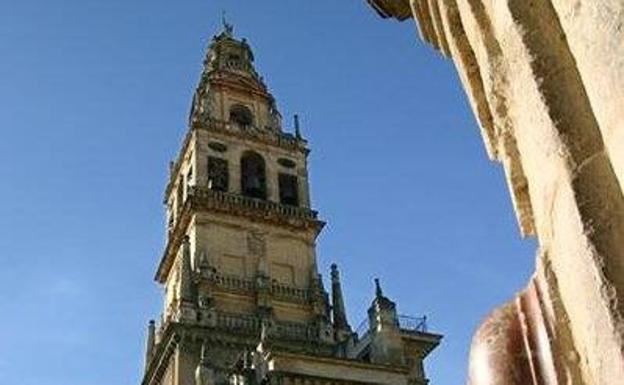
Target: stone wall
column 546, row 82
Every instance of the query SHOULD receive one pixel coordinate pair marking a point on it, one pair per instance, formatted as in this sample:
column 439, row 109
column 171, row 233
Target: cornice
column 398, row 9
column 204, row 199
column 266, row 136
column 238, row 82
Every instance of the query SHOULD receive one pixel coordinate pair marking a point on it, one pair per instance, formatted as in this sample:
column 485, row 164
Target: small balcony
column 206, row 198
column 278, row 291
column 251, row 324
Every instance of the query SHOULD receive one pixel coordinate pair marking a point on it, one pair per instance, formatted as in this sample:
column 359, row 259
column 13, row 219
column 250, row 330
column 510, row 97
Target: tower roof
column 229, row 64
column 226, row 53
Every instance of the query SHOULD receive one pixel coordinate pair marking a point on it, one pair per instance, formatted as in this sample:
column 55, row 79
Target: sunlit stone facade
column 244, row 301
column 545, row 80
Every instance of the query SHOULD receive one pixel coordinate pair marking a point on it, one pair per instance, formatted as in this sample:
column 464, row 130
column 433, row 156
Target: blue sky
column 94, row 97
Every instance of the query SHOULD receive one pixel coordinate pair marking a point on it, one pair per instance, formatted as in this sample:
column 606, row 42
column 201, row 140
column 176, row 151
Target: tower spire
column 149, row 346
column 339, row 312
column 227, row 62
column 378, row 291
column 297, row 127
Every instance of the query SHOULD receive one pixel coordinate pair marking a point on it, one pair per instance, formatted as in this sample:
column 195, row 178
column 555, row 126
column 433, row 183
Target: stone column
column 545, row 80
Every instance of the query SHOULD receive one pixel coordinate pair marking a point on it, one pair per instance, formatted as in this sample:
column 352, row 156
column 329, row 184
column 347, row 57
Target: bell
column 254, row 183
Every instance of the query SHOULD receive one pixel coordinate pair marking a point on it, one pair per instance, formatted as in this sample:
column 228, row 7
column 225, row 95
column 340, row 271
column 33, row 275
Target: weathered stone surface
column 545, row 80
column 240, row 265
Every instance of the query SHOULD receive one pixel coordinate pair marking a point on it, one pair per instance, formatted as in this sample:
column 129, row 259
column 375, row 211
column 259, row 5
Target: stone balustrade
column 268, row 134
column 293, row 330
column 234, row 283
column 235, row 203
column 244, row 323
column 286, row 292
column 250, row 324
column 277, row 290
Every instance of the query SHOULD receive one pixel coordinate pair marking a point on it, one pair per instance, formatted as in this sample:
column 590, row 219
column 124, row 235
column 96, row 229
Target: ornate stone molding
column 256, row 209
column 240, row 285
column 201, row 198
column 544, row 79
column 268, row 137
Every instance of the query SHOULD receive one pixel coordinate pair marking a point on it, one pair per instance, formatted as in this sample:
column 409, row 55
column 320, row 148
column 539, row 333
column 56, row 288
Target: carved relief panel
column 256, row 243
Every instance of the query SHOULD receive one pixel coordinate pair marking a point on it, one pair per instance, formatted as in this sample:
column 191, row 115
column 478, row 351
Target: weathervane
column 229, row 28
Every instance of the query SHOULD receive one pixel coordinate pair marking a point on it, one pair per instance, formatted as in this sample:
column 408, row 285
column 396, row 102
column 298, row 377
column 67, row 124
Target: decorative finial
column 339, row 312
column 297, row 128
column 204, row 374
column 187, row 286
column 247, row 359
column 203, row 262
column 151, row 340
column 204, row 353
column 378, row 291
column 227, row 27
column 264, row 331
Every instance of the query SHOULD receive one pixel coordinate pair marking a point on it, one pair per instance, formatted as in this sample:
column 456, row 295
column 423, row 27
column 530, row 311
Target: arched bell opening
column 241, row 116
column 288, row 189
column 253, row 175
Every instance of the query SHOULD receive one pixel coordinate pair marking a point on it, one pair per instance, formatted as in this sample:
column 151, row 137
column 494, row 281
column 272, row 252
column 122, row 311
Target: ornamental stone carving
column 256, row 243
column 545, row 80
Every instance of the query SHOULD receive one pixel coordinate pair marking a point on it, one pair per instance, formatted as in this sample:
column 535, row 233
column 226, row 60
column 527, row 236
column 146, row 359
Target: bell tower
column 239, row 266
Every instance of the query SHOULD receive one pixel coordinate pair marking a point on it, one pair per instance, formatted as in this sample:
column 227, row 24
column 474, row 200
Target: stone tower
column 243, row 298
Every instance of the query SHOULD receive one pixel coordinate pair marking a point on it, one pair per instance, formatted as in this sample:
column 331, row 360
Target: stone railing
column 285, row 292
column 241, row 323
column 293, row 330
column 234, row 283
column 234, row 202
column 278, row 291
column 267, row 134
column 250, row 324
